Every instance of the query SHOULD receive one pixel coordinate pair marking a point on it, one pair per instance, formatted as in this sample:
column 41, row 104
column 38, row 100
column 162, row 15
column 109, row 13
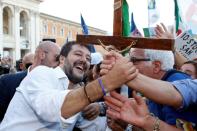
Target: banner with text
column 186, row 45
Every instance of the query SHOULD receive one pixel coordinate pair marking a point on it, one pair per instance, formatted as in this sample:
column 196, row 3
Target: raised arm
column 156, row 90
column 76, row 100
column 162, row 32
column 159, row 91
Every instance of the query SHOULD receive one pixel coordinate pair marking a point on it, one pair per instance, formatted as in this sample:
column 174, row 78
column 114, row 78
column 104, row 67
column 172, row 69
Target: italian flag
column 149, row 32
column 179, row 23
column 125, row 23
column 125, row 19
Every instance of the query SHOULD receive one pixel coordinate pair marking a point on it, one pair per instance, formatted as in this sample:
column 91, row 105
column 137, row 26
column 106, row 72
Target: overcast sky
column 99, row 13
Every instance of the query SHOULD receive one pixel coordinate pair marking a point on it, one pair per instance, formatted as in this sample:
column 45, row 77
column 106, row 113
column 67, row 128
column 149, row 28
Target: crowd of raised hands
column 134, row 111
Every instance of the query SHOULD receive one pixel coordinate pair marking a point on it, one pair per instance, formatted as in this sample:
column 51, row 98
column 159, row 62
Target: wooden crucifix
column 122, row 43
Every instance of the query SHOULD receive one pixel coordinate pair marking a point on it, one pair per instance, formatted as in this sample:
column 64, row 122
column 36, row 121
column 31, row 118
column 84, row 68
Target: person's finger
column 132, row 68
column 164, row 27
column 113, row 101
column 158, row 33
column 108, row 62
column 112, row 106
column 133, row 75
column 113, row 114
column 113, row 55
column 118, row 55
column 103, row 72
column 109, row 56
column 138, row 98
column 91, row 115
column 156, row 36
column 118, row 96
column 132, row 105
column 160, row 29
column 104, row 66
column 88, row 110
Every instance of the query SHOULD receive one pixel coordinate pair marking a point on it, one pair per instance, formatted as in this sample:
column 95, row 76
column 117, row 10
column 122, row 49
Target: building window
column 7, row 21
column 62, row 32
column 70, row 35
column 54, row 30
column 45, row 28
column 23, row 24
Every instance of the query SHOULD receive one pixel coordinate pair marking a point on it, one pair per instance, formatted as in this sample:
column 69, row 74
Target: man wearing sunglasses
column 159, row 65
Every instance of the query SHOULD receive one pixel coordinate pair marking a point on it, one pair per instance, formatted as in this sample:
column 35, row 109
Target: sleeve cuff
column 66, row 123
column 183, row 90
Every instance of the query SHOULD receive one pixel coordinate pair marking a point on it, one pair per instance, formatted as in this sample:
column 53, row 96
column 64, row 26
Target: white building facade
column 23, row 27
column 20, row 27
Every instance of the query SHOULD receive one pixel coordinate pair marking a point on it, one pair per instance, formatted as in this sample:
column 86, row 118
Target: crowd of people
column 70, row 88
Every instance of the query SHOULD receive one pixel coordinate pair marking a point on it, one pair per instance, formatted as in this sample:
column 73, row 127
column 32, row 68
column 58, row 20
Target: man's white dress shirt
column 36, row 105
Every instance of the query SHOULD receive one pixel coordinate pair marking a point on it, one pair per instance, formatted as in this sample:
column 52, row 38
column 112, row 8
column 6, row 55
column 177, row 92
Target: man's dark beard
column 71, row 76
column 73, row 79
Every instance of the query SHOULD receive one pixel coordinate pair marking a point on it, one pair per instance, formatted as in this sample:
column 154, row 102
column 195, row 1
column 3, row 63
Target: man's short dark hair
column 66, row 48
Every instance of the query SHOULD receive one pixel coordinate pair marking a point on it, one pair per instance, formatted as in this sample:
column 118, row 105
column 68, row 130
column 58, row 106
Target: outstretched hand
column 133, row 111
column 162, row 32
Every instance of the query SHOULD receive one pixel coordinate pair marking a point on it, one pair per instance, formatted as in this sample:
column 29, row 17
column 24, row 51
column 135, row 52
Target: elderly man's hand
column 91, row 111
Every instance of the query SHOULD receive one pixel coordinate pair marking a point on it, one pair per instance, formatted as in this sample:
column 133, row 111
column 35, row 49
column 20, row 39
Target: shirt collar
column 29, row 69
column 59, row 72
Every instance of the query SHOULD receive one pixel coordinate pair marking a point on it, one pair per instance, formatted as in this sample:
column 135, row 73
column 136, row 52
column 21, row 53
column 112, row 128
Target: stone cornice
column 27, row 4
column 71, row 23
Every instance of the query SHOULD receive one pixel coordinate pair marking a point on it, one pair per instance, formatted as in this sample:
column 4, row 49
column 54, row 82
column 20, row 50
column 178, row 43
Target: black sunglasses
column 134, row 59
column 57, row 58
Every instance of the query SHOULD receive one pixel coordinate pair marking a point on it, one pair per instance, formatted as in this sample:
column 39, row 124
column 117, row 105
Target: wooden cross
column 123, row 42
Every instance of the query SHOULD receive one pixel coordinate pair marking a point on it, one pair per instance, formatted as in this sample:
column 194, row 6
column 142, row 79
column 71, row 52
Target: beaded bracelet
column 156, row 125
column 102, row 86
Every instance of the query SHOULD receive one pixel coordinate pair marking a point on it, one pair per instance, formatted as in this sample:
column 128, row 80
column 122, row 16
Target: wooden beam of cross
column 124, row 42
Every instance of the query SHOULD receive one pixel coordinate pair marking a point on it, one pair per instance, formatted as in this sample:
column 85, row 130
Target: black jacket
column 8, row 85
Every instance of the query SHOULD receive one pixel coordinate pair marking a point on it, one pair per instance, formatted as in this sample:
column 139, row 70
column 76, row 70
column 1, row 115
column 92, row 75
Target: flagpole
column 148, row 15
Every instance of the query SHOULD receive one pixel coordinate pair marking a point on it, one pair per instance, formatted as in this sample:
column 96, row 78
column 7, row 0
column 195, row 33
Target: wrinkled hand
column 91, row 111
column 133, row 111
column 121, row 72
column 162, row 32
column 109, row 61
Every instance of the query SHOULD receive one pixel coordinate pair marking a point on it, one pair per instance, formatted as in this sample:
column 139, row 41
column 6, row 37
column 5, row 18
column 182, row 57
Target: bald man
column 45, row 54
column 27, row 60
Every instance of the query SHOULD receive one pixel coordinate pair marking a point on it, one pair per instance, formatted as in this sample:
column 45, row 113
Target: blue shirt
column 167, row 113
column 188, row 90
